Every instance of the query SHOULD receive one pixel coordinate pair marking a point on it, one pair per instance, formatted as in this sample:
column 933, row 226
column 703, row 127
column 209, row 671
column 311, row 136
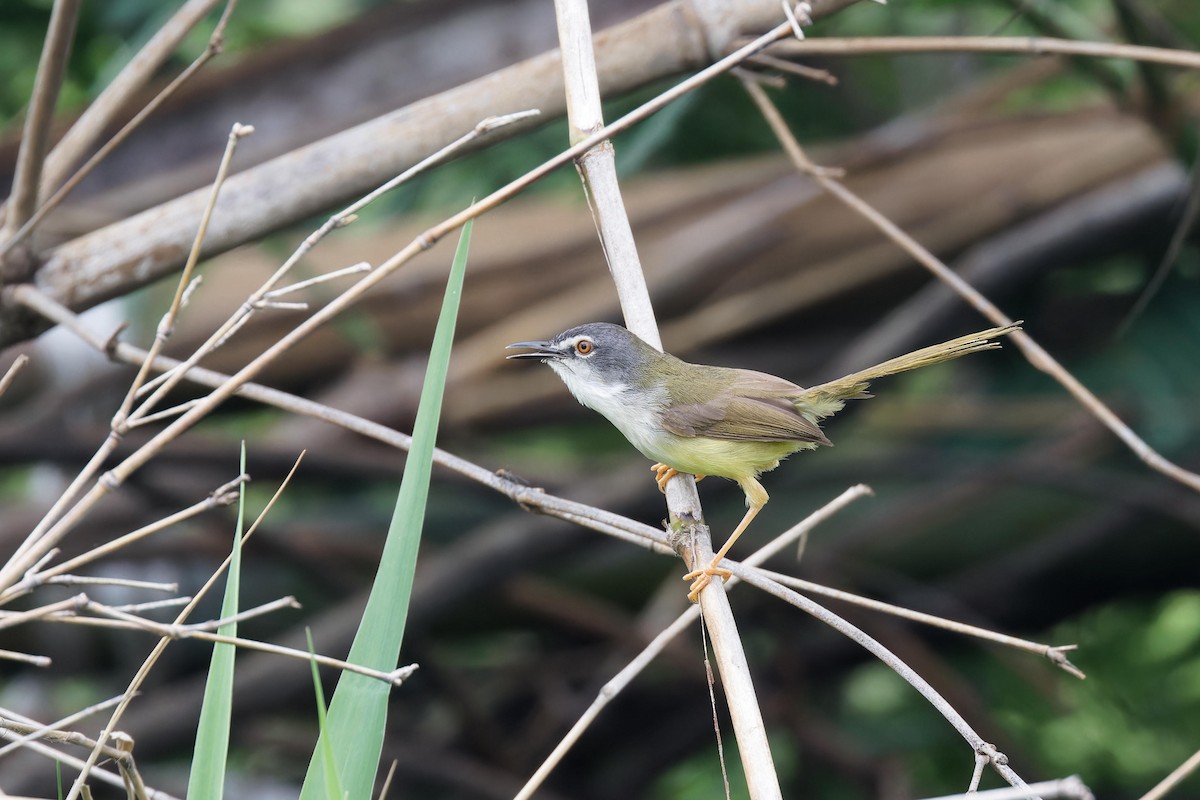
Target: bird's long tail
column 829, row 398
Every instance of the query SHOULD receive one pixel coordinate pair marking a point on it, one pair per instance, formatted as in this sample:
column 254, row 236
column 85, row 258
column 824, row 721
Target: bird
column 709, row 420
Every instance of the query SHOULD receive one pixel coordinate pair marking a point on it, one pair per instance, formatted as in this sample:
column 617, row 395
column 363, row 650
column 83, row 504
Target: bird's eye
column 584, row 347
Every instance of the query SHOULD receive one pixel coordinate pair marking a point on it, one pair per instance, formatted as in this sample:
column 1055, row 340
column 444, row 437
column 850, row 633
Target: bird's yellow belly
column 725, row 458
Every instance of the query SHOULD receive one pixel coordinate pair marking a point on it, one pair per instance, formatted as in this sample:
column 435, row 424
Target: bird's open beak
column 542, row 350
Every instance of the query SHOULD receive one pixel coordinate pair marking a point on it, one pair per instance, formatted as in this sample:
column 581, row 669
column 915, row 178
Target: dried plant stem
column 56, row 755
column 11, row 373
column 25, row 658
column 783, row 65
column 1179, row 773
column 1016, row 45
column 116, row 476
column 130, row 780
column 527, row 497
column 1054, row 654
column 1034, row 352
column 64, row 737
column 166, row 325
column 1071, row 787
column 215, row 44
column 998, row 761
column 101, row 113
column 59, row 725
column 152, row 659
column 43, row 537
column 114, row 618
column 597, row 166
column 51, row 529
column 35, row 136
column 617, row 684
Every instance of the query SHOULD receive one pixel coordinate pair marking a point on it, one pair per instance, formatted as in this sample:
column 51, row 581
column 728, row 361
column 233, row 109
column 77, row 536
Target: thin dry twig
column 118, row 618
column 625, row 676
column 26, row 658
column 41, row 539
column 121, row 754
column 36, row 134
column 150, row 660
column 11, row 374
column 597, row 166
column 1171, row 781
column 83, row 713
column 1034, row 352
column 529, row 498
column 116, row 476
column 54, row 754
column 998, row 761
column 1071, row 787
column 101, row 113
column 791, row 68
column 1016, row 45
column 222, row 496
column 214, row 48
column 1055, row 654
column 49, row 534
column 167, row 325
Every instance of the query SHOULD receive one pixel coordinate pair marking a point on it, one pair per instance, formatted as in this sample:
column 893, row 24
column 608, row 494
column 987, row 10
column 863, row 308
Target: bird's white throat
column 635, row 414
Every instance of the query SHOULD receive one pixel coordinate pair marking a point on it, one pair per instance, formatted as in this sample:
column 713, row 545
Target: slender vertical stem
column 35, row 137
column 597, row 167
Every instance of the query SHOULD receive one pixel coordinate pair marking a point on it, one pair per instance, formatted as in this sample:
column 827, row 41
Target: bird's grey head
column 597, row 356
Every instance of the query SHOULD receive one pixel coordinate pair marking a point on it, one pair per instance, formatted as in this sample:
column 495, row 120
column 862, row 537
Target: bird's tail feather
column 828, row 398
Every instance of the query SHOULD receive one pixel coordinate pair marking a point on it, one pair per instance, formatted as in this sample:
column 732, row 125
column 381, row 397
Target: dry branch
column 1034, row 352
column 136, row 251
column 35, row 138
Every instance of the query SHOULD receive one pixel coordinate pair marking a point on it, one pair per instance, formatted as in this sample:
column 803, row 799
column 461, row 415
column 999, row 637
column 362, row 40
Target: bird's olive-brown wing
column 753, row 406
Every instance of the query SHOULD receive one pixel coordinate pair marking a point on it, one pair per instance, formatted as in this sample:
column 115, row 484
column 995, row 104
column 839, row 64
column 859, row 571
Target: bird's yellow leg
column 663, row 473
column 756, row 498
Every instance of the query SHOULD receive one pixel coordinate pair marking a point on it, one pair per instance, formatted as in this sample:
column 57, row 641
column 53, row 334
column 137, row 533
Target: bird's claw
column 663, row 474
column 701, row 577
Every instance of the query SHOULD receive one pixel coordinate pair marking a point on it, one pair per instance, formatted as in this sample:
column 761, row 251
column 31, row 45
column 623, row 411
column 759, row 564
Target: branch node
column 988, row 752
column 109, row 480
column 1057, row 657
column 802, row 15
column 525, row 503
column 399, row 676
column 114, row 340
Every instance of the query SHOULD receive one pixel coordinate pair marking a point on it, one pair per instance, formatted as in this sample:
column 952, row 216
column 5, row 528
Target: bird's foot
column 663, row 474
column 701, row 577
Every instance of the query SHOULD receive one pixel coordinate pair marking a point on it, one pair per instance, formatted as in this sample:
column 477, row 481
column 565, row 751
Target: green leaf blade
column 358, row 712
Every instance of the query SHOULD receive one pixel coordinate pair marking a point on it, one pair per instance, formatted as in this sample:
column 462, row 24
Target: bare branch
column 1171, row 781
column 11, row 373
column 136, row 74
column 35, row 137
column 1054, row 654
column 1071, row 787
column 1034, row 352
column 110, row 261
column 60, row 724
column 617, row 684
column 84, row 131
column 998, row 761
column 1016, row 45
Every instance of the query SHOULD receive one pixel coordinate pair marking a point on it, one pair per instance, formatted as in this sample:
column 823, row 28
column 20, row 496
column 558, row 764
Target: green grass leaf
column 358, row 712
column 333, row 784
column 207, row 776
